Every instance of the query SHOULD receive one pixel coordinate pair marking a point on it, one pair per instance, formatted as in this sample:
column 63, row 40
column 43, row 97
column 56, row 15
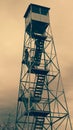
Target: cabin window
column 44, row 11
column 35, row 9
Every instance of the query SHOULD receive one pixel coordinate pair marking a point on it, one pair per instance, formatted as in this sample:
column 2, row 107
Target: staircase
column 39, row 122
column 39, row 87
column 38, row 52
column 37, row 56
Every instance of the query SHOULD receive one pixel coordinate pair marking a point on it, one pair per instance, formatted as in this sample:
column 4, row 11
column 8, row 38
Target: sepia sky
column 12, row 28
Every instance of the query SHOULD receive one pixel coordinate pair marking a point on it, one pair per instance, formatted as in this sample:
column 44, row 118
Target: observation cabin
column 36, row 19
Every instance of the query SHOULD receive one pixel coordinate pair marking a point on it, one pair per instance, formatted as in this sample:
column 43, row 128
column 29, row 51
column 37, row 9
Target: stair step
column 40, row 84
column 41, row 77
column 40, row 117
column 38, row 93
column 40, row 80
column 39, row 88
column 39, row 121
column 38, row 126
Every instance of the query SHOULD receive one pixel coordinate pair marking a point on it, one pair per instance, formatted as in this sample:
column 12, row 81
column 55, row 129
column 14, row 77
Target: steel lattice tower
column 41, row 100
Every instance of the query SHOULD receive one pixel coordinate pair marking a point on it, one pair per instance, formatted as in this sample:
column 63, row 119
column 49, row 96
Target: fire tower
column 41, row 100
